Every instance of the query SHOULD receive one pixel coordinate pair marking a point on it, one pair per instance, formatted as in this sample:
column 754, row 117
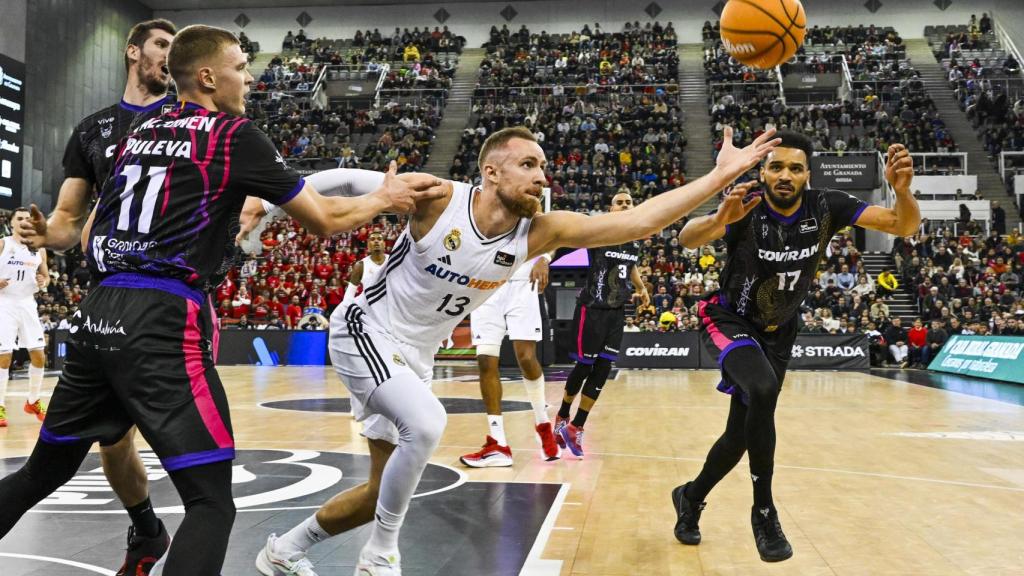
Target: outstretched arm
column 904, row 218
column 64, row 227
column 707, row 229
column 557, row 229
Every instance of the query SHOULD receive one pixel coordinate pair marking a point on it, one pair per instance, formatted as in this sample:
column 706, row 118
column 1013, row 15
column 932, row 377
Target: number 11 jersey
column 172, row 200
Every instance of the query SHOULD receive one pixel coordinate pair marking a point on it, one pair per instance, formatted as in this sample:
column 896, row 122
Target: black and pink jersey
column 170, row 206
column 773, row 259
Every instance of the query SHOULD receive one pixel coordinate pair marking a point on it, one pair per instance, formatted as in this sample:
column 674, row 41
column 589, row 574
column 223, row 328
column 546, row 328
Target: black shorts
column 722, row 331
column 598, row 333
column 141, row 351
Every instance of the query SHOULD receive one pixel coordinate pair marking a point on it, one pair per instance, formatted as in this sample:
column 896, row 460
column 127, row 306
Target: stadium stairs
column 456, row 113
column 902, row 303
column 936, row 85
column 693, row 99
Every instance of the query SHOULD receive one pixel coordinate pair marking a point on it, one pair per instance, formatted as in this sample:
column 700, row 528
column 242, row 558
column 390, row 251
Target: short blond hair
column 498, row 140
column 193, row 44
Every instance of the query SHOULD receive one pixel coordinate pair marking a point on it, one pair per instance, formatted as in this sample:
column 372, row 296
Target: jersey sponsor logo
column 786, row 255
column 177, row 149
column 107, row 250
column 748, row 285
column 454, row 277
column 658, row 350
column 106, row 127
column 621, row 255
column 453, row 240
column 100, row 326
column 109, row 152
column 446, row 260
column 826, row 351
column 504, row 259
column 809, row 225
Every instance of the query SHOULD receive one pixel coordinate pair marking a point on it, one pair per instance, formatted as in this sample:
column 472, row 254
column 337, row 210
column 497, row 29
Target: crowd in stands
column 637, row 55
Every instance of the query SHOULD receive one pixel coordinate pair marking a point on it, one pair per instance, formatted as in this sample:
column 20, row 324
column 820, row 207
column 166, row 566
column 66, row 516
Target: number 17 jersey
column 772, row 259
column 171, row 203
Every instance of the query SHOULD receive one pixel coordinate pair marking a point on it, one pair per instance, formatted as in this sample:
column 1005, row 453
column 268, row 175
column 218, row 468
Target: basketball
column 763, row 33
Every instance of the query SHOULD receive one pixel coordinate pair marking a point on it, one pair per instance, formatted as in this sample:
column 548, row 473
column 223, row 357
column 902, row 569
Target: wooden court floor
column 873, row 475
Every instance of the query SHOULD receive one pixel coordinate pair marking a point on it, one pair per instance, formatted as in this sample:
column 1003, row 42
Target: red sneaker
column 3, row 417
column 491, row 455
column 547, row 442
column 573, row 438
column 559, row 424
column 37, row 408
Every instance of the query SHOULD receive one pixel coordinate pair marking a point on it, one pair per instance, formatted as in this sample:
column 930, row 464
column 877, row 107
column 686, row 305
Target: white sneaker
column 269, row 563
column 375, row 564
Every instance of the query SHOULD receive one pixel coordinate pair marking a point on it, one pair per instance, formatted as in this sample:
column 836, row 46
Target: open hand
column 733, row 161
column 733, row 208
column 404, row 192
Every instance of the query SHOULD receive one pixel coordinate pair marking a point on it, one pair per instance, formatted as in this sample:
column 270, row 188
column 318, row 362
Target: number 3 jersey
column 608, row 278
column 773, row 259
column 427, row 287
column 171, row 203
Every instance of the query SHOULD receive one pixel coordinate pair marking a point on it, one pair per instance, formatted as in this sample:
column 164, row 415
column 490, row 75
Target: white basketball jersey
column 19, row 265
column 370, row 271
column 428, row 287
column 522, row 273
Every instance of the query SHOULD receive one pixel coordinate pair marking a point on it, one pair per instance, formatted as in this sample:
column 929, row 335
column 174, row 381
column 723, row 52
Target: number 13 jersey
column 773, row 259
column 427, row 287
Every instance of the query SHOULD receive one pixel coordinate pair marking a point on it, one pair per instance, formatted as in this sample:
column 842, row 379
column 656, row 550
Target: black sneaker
column 687, row 516
column 771, row 542
column 143, row 552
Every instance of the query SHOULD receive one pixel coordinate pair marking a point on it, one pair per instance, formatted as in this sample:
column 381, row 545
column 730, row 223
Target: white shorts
column 513, row 309
column 365, row 358
column 20, row 326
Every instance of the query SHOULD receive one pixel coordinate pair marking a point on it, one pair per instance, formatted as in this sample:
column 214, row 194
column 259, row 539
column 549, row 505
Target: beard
column 523, row 205
column 151, row 76
column 784, row 202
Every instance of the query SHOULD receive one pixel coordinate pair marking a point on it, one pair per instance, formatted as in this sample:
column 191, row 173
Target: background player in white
column 513, row 309
column 384, row 350
column 23, row 272
column 363, row 274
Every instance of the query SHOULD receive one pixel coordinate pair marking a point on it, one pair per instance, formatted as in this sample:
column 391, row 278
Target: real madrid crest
column 453, row 240
column 397, row 359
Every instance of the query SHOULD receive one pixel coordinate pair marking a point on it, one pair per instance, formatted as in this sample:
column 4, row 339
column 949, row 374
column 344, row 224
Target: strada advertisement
column 996, row 357
column 685, row 350
column 847, row 172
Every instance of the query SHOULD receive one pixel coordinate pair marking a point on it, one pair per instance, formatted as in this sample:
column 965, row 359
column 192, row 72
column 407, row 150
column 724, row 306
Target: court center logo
column 262, row 480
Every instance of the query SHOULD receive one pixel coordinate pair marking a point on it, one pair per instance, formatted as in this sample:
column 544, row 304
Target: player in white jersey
column 362, row 275
column 23, row 272
column 514, row 309
column 455, row 252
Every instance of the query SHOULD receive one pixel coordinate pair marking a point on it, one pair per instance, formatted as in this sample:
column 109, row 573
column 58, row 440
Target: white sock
column 497, row 429
column 384, row 537
column 535, row 392
column 301, row 538
column 35, row 383
column 4, row 376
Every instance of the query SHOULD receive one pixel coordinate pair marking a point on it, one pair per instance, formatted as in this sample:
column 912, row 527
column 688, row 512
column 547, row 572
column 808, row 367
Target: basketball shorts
column 722, row 331
column 19, row 325
column 513, row 309
column 598, row 333
column 141, row 351
column 364, row 358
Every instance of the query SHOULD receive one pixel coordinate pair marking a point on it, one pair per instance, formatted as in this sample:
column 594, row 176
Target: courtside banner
column 996, row 357
column 847, row 172
column 659, row 350
column 819, row 352
column 273, row 348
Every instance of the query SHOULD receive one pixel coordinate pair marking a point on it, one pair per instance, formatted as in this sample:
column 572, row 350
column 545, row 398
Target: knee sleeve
column 49, row 467
column 201, row 540
column 488, row 350
column 598, row 376
column 423, row 433
column 574, row 382
column 749, row 369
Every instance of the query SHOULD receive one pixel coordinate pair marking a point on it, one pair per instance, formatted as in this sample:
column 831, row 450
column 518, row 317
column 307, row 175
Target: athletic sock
column 563, row 410
column 35, row 383
column 535, row 392
column 384, row 537
column 5, row 375
column 581, row 417
column 496, row 425
column 301, row 538
column 144, row 520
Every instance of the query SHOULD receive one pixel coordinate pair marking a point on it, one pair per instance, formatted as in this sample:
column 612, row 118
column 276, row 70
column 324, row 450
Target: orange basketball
column 763, row 33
